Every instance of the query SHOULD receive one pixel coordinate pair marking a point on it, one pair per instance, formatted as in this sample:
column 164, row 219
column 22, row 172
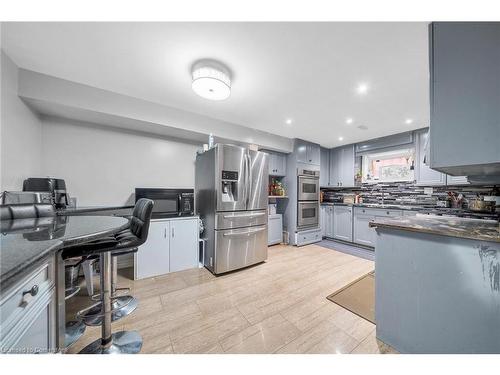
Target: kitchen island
column 437, row 284
column 32, row 283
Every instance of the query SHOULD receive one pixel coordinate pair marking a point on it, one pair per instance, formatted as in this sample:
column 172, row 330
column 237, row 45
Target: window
column 389, row 166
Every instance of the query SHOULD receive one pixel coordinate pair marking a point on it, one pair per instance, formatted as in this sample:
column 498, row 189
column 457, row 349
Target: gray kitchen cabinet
column 314, row 153
column 457, row 180
column 329, row 221
column 307, row 152
column 342, row 166
column 465, row 97
column 28, row 313
column 347, row 170
column 324, row 167
column 342, row 223
column 424, row 175
column 362, row 216
column 172, row 245
column 335, row 167
column 274, row 229
column 322, row 220
column 362, row 233
column 277, row 164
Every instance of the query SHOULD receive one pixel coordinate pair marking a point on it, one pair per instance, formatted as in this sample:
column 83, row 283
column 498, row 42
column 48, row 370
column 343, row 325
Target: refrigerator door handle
column 250, row 179
column 248, row 185
column 247, row 233
column 245, row 215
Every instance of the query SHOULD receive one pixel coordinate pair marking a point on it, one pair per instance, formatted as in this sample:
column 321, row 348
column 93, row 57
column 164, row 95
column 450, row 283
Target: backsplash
column 410, row 194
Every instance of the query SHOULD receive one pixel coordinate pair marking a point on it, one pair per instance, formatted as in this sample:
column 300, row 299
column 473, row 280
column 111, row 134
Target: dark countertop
column 380, row 206
column 474, row 229
column 24, row 242
column 87, row 209
column 433, row 210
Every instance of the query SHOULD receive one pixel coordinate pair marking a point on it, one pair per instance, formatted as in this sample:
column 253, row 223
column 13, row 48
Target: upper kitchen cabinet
column 457, row 180
column 307, row 152
column 465, row 97
column 324, row 171
column 424, row 175
column 277, row 164
column 342, row 166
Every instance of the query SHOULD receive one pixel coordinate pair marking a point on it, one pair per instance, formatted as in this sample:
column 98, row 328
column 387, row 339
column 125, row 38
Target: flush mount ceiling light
column 211, row 80
column 362, row 88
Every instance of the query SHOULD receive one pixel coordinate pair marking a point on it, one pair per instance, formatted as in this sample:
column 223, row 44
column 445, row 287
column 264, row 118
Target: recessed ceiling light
column 362, row 88
column 349, row 120
column 341, row 138
column 211, row 80
column 408, row 121
column 288, row 121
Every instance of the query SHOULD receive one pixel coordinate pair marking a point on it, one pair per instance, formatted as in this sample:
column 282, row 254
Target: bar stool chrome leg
column 125, row 342
column 73, row 329
column 121, row 305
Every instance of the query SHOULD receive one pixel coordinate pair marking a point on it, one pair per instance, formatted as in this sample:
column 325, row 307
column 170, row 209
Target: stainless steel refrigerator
column 231, row 196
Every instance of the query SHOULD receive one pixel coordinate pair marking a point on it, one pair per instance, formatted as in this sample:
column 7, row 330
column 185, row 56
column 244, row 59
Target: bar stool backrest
column 141, row 216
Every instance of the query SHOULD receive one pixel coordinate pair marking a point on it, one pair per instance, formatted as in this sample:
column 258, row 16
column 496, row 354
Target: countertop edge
column 433, row 231
column 11, row 276
column 71, row 210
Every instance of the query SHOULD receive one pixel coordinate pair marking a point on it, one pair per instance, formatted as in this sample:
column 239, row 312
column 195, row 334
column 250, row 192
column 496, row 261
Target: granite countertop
column 474, row 229
column 84, row 209
column 24, row 242
column 376, row 205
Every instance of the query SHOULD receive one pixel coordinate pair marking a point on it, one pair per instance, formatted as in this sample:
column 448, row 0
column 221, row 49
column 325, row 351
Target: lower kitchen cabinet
column 28, row 313
column 172, row 245
column 183, row 244
column 274, row 229
column 322, row 214
column 328, row 221
column 363, row 234
column 342, row 223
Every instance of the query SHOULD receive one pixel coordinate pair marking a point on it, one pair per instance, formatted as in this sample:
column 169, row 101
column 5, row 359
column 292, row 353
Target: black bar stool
column 125, row 241
column 122, row 304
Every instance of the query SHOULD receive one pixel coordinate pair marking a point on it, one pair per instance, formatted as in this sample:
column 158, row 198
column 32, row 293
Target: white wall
column 103, row 166
column 20, row 133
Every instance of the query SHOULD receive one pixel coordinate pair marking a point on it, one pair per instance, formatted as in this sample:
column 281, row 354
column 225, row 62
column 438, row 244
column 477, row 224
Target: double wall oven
column 307, row 198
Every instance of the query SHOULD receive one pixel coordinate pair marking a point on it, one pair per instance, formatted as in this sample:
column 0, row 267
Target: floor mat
column 358, row 297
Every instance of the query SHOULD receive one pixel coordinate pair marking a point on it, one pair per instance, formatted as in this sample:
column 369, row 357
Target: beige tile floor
column 279, row 306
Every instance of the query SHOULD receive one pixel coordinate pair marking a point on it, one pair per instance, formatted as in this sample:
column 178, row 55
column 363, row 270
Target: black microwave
column 168, row 202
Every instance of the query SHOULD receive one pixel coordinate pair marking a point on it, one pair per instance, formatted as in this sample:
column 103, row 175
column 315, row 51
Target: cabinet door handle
column 28, row 295
column 33, row 291
column 165, row 232
column 173, row 233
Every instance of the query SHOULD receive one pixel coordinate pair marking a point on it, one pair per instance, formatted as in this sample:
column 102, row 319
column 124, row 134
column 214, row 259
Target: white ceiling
column 304, row 71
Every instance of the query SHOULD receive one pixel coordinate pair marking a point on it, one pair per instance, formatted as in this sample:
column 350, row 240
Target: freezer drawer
column 237, row 248
column 240, row 219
